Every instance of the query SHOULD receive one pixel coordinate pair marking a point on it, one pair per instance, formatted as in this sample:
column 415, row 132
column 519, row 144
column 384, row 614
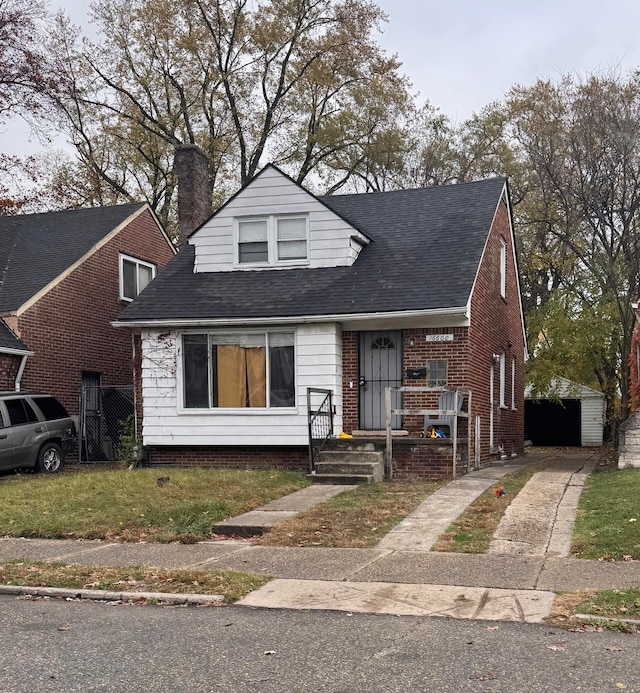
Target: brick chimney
column 191, row 167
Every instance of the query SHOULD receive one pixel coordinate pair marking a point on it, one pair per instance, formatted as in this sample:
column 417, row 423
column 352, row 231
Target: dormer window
column 272, row 240
column 253, row 244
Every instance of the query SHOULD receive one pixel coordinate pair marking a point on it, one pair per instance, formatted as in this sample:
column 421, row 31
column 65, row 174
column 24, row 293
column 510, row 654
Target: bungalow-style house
column 279, row 291
column 64, row 278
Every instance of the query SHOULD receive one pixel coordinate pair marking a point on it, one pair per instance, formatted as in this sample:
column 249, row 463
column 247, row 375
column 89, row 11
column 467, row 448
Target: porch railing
column 453, row 413
column 320, row 419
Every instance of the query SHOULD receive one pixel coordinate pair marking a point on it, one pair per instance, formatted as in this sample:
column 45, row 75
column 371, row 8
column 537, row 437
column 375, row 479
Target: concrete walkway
column 400, row 575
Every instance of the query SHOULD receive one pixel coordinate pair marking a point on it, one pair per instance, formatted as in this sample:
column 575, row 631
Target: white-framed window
column 513, row 384
column 238, row 370
column 503, row 268
column 272, row 240
column 134, row 276
column 436, row 372
column 502, row 379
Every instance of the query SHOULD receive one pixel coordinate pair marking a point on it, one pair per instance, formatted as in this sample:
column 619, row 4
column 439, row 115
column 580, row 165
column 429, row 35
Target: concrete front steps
column 349, row 462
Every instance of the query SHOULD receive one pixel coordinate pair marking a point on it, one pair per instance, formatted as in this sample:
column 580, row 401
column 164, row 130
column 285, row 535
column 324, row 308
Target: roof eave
column 459, row 315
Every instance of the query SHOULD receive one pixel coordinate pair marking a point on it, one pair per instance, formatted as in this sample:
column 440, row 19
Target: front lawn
column 354, row 519
column 142, row 505
column 608, row 520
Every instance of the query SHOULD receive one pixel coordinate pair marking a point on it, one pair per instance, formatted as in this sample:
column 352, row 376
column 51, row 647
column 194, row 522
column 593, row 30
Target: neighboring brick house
column 280, row 290
column 64, row 278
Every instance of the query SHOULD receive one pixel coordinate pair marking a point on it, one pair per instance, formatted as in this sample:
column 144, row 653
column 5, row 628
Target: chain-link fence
column 106, row 423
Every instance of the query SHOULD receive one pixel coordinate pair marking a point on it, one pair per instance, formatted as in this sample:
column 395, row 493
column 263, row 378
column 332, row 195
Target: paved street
column 85, row 646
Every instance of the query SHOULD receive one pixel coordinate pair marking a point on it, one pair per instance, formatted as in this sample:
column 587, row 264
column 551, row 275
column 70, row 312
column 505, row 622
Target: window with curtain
column 236, row 371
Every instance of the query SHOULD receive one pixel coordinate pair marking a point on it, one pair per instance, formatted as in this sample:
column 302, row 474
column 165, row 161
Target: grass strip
column 151, row 505
column 618, row 604
column 608, row 519
column 353, row 519
column 473, row 530
column 230, row 584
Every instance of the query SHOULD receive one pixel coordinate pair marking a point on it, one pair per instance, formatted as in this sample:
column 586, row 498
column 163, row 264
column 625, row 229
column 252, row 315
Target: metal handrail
column 320, row 422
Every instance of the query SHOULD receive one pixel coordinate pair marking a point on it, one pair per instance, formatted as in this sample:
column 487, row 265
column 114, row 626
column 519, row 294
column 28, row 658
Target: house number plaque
column 439, row 338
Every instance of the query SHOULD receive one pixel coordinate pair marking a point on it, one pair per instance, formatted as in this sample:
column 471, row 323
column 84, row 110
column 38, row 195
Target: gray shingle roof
column 36, row 248
column 8, row 339
column 425, row 251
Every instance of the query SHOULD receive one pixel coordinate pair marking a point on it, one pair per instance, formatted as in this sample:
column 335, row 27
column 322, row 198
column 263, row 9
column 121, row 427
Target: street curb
column 105, row 595
column 606, row 619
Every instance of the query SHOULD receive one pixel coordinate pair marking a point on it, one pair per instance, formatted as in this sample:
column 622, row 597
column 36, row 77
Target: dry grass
column 161, row 505
column 473, row 530
column 230, row 584
column 354, row 519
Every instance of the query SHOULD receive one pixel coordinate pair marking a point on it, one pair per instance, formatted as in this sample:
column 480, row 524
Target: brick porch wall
column 249, row 457
column 426, row 459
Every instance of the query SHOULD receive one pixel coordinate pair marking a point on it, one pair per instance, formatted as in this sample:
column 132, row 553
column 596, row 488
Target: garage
column 571, row 415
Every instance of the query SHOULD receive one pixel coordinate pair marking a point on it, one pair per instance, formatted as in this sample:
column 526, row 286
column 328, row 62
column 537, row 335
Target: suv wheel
column 50, row 458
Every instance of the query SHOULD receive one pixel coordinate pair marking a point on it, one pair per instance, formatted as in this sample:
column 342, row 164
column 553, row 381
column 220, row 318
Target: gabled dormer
column 273, row 224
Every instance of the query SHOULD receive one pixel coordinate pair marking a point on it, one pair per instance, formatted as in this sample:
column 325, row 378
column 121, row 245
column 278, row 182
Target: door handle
column 362, row 381
column 3, row 436
column 39, row 429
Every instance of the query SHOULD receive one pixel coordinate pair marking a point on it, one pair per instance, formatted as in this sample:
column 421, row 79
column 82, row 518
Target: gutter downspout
column 21, row 367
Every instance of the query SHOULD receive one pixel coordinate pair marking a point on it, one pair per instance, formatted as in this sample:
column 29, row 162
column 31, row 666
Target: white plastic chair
column 450, row 400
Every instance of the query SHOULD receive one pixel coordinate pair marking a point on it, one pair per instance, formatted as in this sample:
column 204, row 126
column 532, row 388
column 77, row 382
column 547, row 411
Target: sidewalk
column 400, row 575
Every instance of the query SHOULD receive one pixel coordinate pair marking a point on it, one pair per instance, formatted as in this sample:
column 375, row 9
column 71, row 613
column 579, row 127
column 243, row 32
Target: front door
column 380, row 366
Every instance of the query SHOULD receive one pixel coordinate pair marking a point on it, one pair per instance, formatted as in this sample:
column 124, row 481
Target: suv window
column 20, row 411
column 51, row 408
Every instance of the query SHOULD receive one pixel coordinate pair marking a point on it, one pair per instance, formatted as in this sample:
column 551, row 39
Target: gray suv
column 35, row 431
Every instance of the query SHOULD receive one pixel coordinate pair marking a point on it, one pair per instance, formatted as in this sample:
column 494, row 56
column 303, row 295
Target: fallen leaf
column 613, row 649
column 621, row 685
column 555, row 648
column 268, row 652
column 493, row 627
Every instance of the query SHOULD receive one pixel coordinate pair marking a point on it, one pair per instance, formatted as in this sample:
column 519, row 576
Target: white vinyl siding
column 318, row 350
column 271, row 194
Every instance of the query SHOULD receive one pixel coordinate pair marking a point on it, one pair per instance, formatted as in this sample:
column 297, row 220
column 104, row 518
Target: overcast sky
column 463, row 54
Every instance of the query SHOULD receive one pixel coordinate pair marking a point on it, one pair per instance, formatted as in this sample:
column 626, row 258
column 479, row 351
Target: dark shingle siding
column 426, row 248
column 36, row 248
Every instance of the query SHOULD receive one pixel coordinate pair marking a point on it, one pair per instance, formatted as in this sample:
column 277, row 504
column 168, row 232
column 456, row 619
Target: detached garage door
column 553, row 424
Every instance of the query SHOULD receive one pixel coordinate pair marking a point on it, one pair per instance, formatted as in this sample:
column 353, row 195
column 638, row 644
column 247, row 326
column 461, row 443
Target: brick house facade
column 66, row 321
column 365, row 268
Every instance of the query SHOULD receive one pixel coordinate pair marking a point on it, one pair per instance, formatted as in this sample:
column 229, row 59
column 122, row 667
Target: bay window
column 236, row 371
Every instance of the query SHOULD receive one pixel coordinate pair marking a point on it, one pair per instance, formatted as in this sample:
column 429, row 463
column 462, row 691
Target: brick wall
column 249, row 457
column 417, row 351
column 496, row 327
column 69, row 328
column 9, row 365
column 426, row 459
column 350, row 375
